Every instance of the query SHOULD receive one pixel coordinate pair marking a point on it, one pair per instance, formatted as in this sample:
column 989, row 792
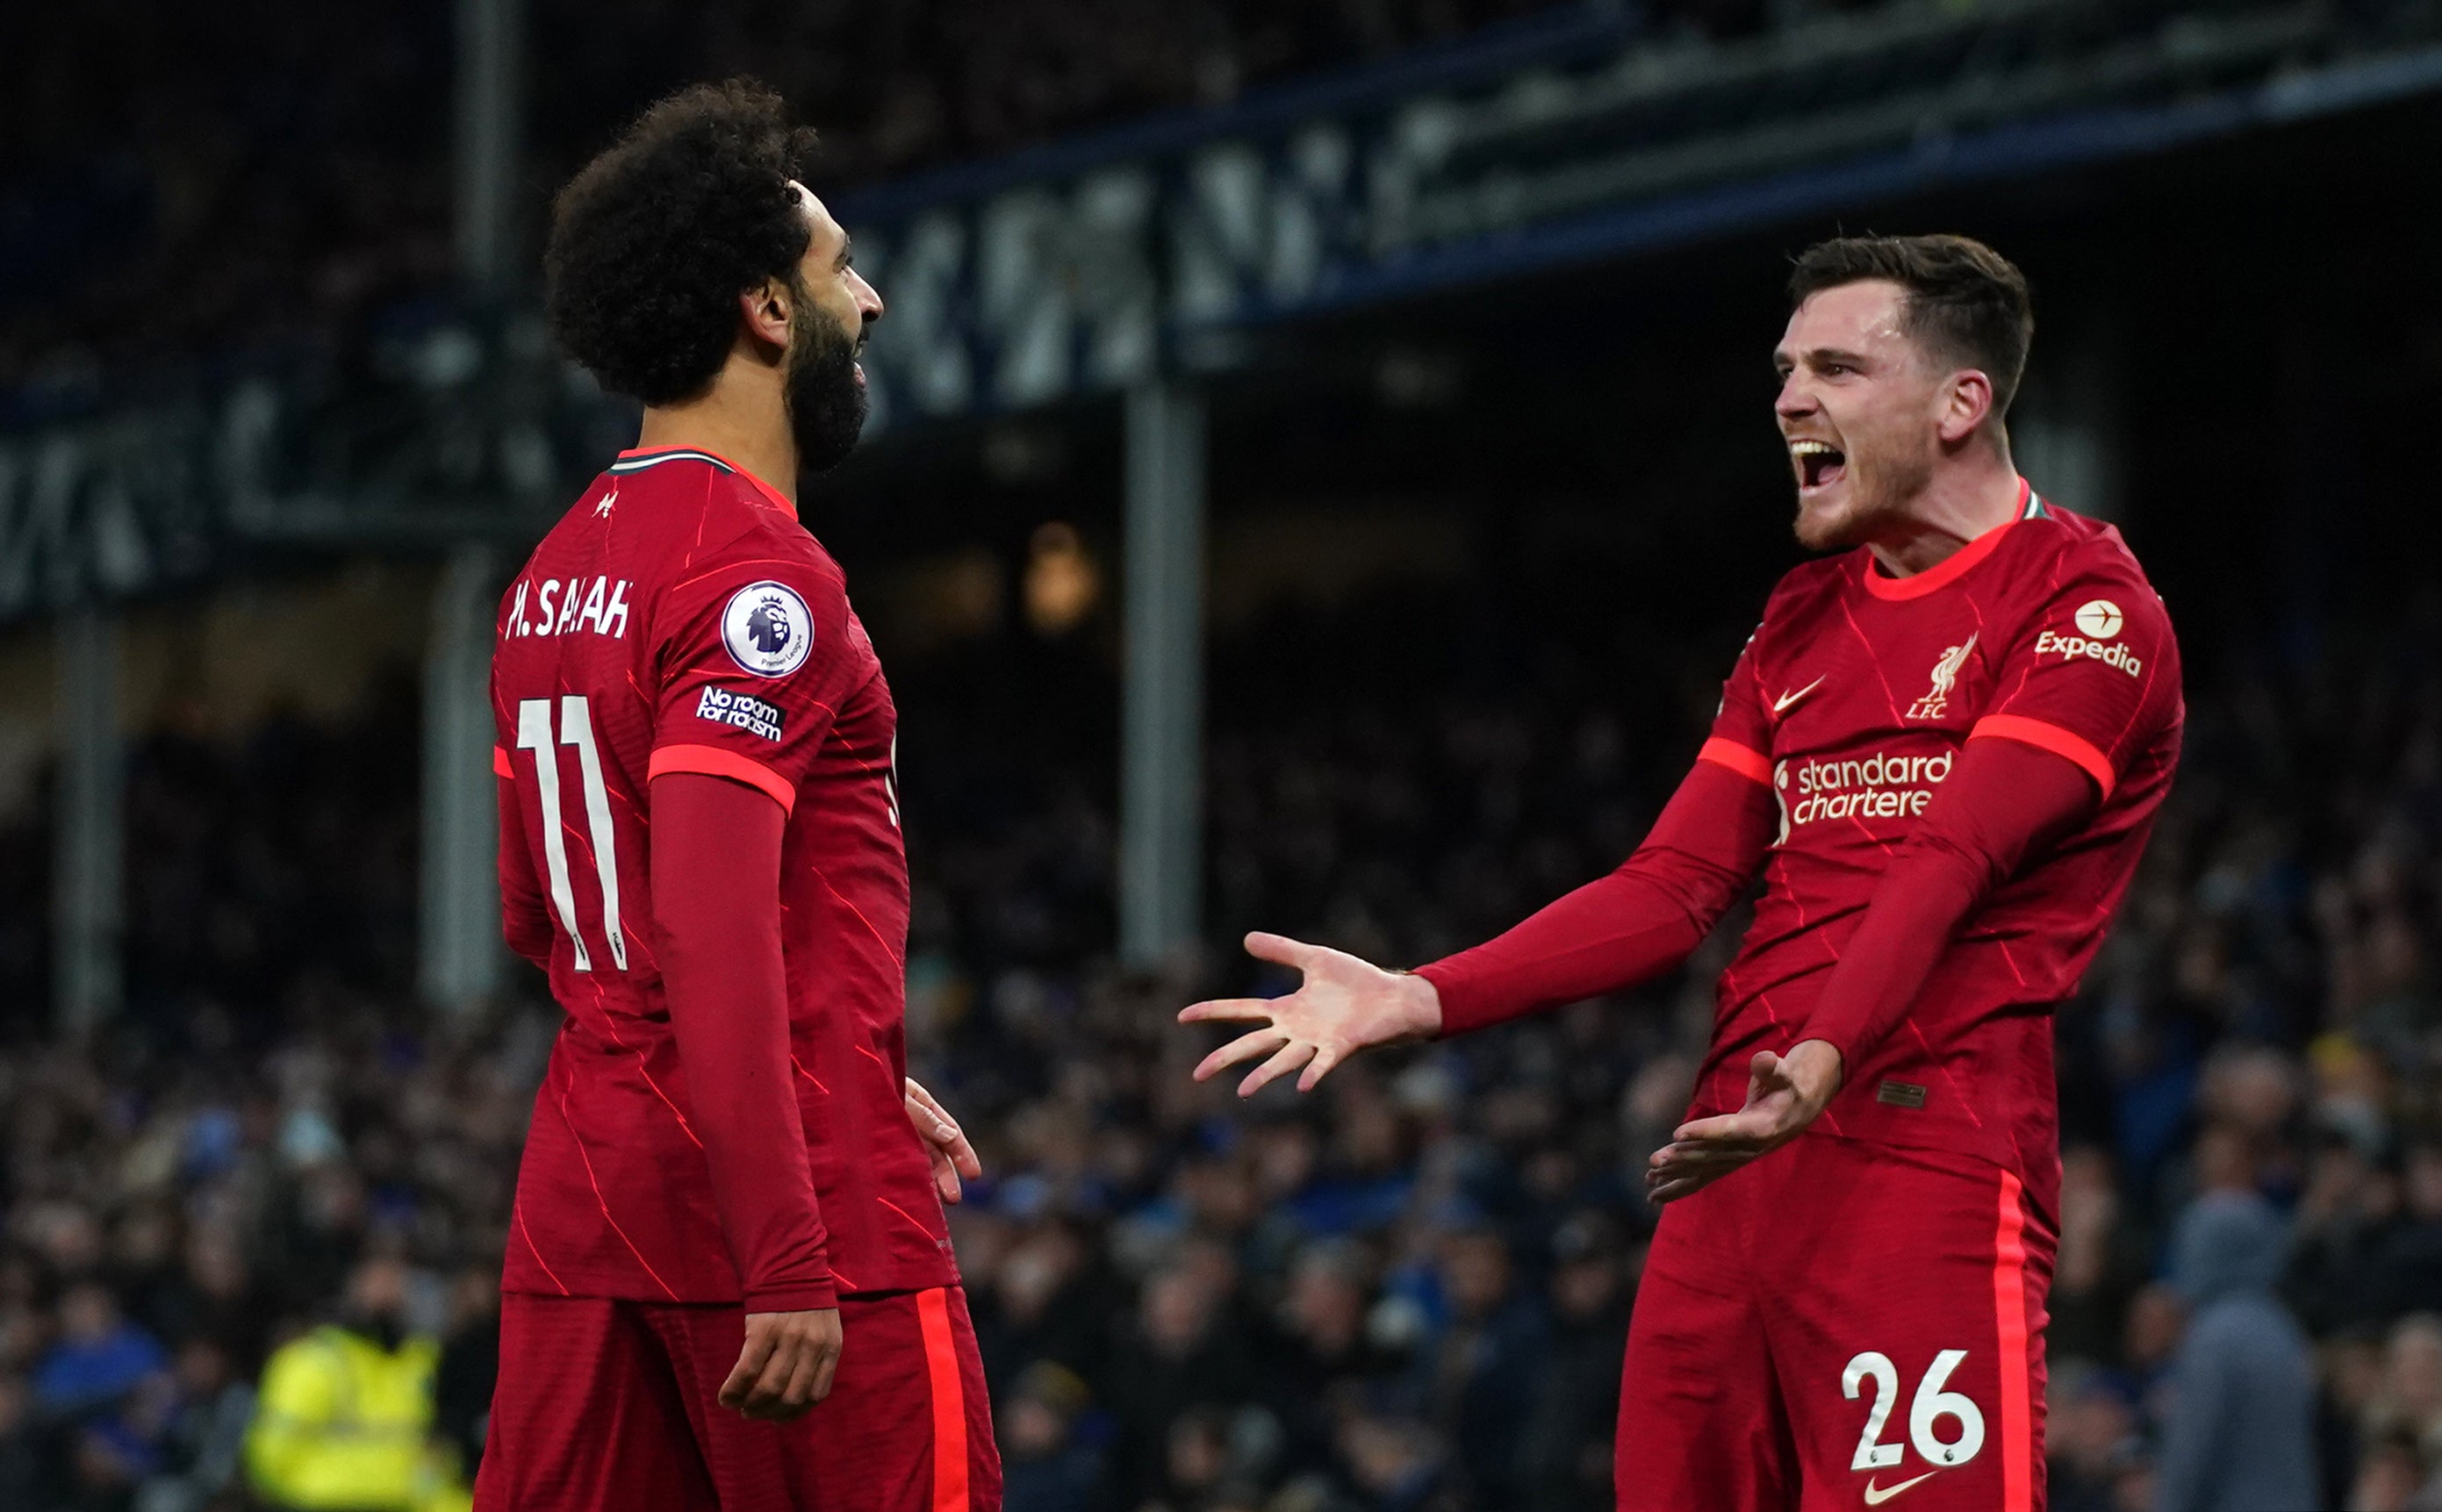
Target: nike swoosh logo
column 1876, row 1496
column 1780, row 704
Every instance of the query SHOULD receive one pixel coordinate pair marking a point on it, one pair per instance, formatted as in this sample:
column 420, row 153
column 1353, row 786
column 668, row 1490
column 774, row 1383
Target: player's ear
column 1966, row 403
column 765, row 311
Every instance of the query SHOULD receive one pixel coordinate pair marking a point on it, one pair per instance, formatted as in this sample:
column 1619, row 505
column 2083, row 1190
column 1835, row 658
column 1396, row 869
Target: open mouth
column 1819, row 463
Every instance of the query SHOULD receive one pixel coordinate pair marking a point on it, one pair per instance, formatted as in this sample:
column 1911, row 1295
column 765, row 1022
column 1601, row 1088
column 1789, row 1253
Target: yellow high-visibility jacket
column 343, row 1425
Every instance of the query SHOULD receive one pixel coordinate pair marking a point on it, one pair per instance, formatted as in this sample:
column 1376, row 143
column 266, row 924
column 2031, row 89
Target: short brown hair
column 1966, row 303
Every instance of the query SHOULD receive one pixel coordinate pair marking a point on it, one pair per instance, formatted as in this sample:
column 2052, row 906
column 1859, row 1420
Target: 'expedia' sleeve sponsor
column 1741, row 733
column 2092, row 676
column 754, row 658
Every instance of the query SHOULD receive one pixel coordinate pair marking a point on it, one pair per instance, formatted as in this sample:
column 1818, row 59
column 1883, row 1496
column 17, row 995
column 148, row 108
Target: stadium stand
column 273, row 193
column 293, row 195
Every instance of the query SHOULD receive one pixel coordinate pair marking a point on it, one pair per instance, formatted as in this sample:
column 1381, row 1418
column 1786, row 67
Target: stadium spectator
column 101, row 1356
column 1046, row 1464
column 1187, row 1352
column 346, row 1415
column 204, row 1435
column 2241, row 1419
column 2090, row 1429
column 1487, row 1365
column 21, row 1471
column 1564, row 1452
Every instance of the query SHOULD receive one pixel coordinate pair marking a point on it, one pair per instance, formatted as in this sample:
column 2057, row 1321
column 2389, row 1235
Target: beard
column 826, row 403
column 1878, row 491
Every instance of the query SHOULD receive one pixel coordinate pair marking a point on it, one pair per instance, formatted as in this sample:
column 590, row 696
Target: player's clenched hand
column 1784, row 1094
column 953, row 1157
column 1345, row 1005
column 786, row 1366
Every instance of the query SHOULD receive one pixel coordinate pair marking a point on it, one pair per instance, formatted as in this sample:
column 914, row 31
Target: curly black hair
column 654, row 239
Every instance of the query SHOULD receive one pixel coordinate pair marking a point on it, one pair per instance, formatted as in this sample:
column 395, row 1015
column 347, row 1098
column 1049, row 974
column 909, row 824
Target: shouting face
column 1865, row 410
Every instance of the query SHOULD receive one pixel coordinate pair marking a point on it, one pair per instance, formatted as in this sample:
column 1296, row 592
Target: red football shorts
column 1841, row 1325
column 609, row 1406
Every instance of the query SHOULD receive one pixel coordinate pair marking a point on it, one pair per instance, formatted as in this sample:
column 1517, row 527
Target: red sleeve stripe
column 2050, row 737
column 711, row 761
column 501, row 767
column 1746, row 761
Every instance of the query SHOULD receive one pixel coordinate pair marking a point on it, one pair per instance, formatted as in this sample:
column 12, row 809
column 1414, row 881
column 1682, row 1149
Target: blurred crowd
column 1407, row 1292
column 182, row 181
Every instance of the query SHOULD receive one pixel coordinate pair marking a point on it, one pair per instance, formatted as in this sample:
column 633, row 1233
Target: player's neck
column 742, row 419
column 1958, row 505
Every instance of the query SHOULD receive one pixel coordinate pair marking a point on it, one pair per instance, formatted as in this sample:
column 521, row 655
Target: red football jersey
column 1852, row 701
column 680, row 619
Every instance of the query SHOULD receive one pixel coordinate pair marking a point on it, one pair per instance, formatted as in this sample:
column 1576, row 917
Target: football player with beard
column 730, row 1207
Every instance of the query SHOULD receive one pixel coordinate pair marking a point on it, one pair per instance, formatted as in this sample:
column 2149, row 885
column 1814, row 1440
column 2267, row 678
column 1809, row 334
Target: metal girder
column 89, row 910
column 1161, row 781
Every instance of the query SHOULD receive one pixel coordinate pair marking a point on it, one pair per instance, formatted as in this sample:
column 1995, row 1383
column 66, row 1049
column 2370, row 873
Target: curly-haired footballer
column 730, row 1205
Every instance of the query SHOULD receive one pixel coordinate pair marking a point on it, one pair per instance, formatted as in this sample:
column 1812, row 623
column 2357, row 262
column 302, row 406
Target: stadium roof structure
column 1559, row 142
column 1164, row 248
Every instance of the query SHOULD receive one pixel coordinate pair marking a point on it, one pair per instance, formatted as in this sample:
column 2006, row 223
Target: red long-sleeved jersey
column 679, row 620
column 1923, row 923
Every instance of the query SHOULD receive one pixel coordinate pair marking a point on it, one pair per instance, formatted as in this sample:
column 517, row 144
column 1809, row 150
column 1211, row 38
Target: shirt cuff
column 1463, row 1009
column 793, row 1297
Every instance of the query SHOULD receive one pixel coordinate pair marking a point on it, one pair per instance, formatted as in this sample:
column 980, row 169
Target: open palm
column 1344, row 1005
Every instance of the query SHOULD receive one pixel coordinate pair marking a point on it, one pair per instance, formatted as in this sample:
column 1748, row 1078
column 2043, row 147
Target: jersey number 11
column 576, row 729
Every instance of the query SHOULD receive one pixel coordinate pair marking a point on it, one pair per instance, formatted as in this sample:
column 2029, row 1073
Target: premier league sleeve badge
column 768, row 630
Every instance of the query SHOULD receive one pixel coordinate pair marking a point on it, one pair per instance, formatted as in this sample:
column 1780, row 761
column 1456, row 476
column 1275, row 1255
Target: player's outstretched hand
column 1784, row 1094
column 1345, row 1005
column 786, row 1366
column 953, row 1157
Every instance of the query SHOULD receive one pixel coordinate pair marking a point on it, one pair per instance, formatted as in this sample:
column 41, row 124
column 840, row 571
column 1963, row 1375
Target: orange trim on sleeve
column 501, row 767
column 1746, row 761
column 949, row 1402
column 711, row 761
column 2050, row 737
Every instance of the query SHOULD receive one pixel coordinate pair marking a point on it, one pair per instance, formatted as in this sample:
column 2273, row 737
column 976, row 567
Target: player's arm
column 716, row 873
column 753, row 661
column 523, row 922
column 1618, row 931
column 2004, row 802
column 1641, row 922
